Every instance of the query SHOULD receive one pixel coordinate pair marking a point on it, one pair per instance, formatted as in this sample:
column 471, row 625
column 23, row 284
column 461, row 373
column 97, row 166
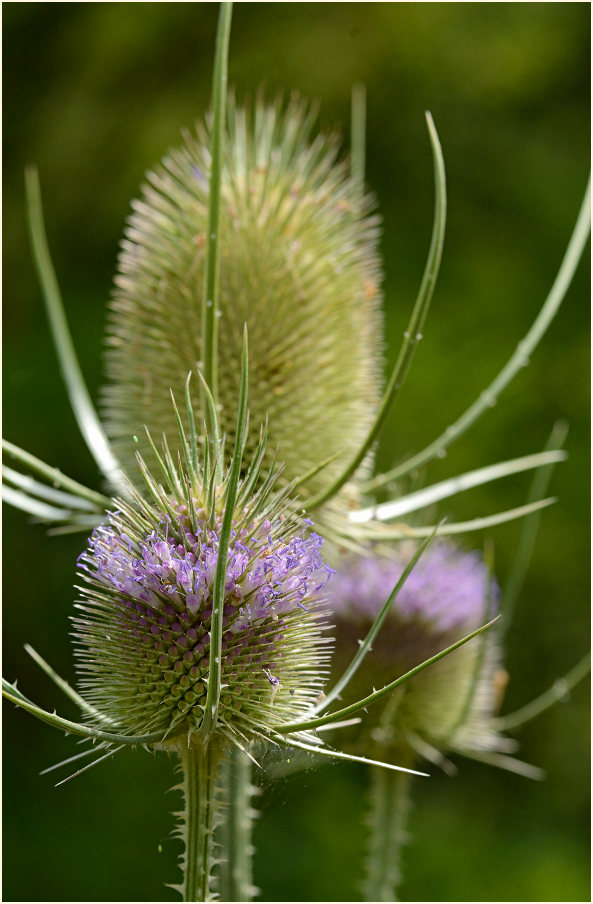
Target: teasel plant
column 154, row 313
column 454, row 709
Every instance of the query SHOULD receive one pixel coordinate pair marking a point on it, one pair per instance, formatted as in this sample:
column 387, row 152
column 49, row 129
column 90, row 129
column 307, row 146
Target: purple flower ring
column 448, row 594
column 143, row 638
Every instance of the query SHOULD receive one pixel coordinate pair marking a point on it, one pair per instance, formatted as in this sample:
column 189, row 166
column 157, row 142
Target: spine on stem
column 388, row 816
column 236, row 869
column 198, row 820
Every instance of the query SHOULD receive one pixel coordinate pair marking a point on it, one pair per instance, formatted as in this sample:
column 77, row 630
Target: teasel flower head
column 145, row 631
column 299, row 266
column 449, row 592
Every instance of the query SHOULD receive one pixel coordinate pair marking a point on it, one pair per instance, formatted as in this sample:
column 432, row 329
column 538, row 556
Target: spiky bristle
column 143, row 634
column 299, row 265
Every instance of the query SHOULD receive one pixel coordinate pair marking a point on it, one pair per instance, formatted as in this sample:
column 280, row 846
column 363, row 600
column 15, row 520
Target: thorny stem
column 236, row 869
column 199, row 817
column 389, row 806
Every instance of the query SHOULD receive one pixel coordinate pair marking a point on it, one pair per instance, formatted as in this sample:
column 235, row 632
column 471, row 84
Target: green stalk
column 358, row 136
column 199, row 818
column 389, row 806
column 210, row 305
column 236, row 869
column 231, row 490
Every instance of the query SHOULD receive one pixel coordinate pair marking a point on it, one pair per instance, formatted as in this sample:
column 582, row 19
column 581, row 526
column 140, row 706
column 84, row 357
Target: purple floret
column 265, row 576
column 447, row 588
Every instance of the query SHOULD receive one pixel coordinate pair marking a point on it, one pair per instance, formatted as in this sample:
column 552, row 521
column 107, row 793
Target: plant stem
column 389, row 806
column 199, row 819
column 210, row 306
column 236, row 871
column 358, row 136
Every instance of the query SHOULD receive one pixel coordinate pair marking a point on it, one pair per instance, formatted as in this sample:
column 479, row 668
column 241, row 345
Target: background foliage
column 95, row 93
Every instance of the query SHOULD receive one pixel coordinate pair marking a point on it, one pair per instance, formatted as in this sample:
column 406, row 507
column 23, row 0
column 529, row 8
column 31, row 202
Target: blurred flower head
column 299, row 266
column 448, row 594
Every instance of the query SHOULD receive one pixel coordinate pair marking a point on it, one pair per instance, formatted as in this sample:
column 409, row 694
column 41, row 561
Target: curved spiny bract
column 298, row 264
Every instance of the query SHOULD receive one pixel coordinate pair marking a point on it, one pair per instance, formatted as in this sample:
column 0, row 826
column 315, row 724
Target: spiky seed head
column 448, row 594
column 143, row 633
column 299, row 265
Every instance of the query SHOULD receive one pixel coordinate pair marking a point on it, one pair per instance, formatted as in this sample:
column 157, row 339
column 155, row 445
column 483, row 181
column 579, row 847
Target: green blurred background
column 95, row 93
